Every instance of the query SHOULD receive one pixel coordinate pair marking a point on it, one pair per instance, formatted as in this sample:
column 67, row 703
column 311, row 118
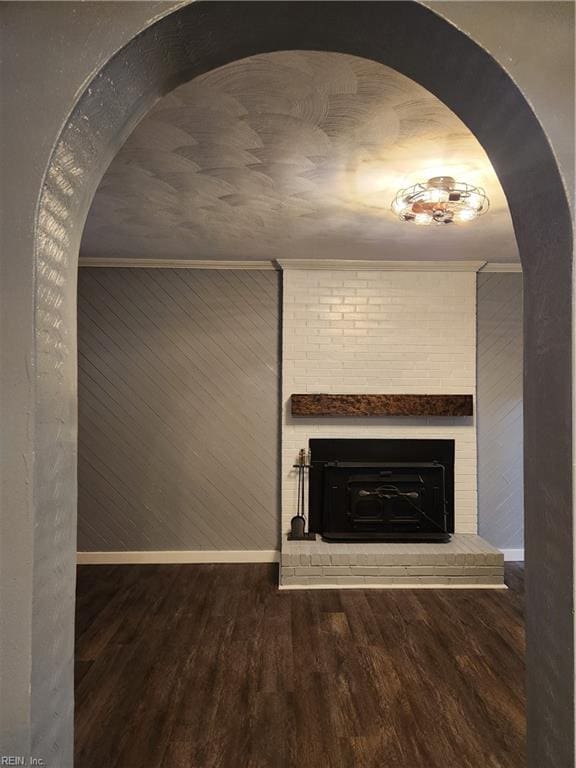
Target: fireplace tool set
column 298, row 523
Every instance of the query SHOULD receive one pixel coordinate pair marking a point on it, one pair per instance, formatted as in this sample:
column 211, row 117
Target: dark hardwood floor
column 210, row 666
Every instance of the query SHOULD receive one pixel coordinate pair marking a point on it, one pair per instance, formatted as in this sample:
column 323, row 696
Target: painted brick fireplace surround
column 377, row 331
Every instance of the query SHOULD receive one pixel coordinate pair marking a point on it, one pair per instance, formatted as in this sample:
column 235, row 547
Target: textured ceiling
column 292, row 155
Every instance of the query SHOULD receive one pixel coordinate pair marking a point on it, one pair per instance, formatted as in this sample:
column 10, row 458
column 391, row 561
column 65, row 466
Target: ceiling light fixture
column 440, row 200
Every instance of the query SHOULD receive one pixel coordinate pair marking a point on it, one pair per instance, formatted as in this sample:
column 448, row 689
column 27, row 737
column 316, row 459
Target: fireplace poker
column 298, row 522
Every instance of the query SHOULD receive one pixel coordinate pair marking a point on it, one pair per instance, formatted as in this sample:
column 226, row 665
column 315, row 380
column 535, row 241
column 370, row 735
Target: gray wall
column 52, row 51
column 499, row 410
column 178, row 409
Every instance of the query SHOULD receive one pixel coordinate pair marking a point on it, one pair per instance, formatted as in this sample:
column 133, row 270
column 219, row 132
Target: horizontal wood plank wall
column 499, row 411
column 178, row 409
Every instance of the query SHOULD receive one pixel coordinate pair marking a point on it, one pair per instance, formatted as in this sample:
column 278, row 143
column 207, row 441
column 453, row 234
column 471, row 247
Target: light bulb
column 475, row 201
column 435, row 195
column 465, row 214
column 399, row 205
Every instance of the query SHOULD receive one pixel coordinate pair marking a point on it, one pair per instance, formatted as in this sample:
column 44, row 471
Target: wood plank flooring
column 210, row 666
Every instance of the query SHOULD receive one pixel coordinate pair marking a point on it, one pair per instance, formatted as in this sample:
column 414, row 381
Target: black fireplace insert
column 382, row 490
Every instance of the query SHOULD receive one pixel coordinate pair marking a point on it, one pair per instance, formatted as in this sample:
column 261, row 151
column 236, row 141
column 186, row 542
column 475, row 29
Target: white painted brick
column 380, row 570
column 433, row 579
column 413, row 333
column 349, row 580
column 341, row 559
column 311, row 570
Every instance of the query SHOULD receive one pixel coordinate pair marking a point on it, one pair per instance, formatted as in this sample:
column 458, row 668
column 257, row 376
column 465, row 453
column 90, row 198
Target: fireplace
column 382, row 490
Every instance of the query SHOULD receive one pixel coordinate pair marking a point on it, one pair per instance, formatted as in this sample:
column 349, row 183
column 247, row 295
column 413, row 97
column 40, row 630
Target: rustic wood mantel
column 381, row 405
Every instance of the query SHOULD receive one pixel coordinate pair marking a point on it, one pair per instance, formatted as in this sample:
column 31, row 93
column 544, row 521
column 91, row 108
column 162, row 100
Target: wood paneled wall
column 499, row 410
column 178, row 409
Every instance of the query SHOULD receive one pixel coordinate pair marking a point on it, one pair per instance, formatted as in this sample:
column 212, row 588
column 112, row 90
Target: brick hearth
column 467, row 560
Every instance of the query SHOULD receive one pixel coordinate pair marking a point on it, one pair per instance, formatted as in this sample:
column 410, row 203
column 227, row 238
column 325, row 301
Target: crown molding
column 87, row 261
column 305, row 264
column 494, row 266
column 382, row 266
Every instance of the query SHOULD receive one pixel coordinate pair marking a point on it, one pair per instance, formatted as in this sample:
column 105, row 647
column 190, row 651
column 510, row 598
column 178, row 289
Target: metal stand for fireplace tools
column 298, row 523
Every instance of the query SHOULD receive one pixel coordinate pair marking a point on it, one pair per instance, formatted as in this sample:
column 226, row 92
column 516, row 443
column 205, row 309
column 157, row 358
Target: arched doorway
column 408, row 38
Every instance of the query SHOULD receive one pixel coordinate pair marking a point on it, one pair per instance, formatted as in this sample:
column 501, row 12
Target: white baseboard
column 513, row 555
column 185, row 556
column 414, row 585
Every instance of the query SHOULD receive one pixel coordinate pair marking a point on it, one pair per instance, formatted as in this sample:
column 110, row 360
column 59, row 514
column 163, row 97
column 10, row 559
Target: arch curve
column 415, row 41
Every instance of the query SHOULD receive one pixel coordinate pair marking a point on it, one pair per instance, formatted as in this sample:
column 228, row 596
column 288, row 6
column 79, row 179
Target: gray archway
column 407, row 37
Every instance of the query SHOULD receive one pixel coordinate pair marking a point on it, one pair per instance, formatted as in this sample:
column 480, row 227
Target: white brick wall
column 380, row 332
